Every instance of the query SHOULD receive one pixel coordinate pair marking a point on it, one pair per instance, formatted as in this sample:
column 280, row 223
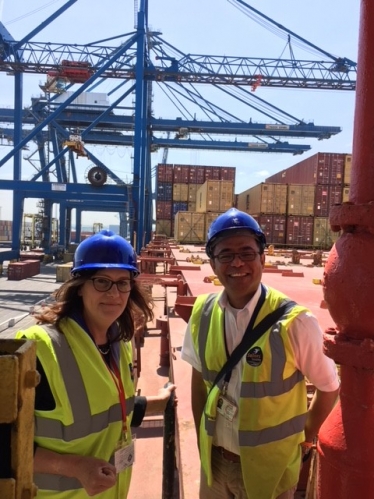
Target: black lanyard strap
column 249, row 328
column 251, row 336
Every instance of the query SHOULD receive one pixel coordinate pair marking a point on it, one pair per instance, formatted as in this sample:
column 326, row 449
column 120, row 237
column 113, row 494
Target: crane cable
column 19, row 18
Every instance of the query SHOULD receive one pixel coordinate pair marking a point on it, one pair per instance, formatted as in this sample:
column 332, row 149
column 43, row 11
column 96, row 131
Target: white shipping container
column 85, row 99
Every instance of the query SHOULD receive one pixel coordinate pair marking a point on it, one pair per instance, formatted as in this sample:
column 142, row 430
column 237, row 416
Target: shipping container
column 164, row 210
column 178, row 206
column 92, row 99
column 323, row 236
column 264, row 198
column 192, row 189
column 345, row 197
column 214, row 195
column 6, row 230
column 181, row 174
column 164, row 192
column 164, row 227
column 212, row 173
column 325, row 197
column 190, row 227
column 63, row 272
column 209, row 219
column 165, row 173
column 273, row 226
column 208, row 196
column 300, row 199
column 228, row 173
column 347, row 169
column 22, row 270
column 227, row 195
column 192, row 175
column 322, row 168
column 200, row 174
column 299, row 231
column 180, row 192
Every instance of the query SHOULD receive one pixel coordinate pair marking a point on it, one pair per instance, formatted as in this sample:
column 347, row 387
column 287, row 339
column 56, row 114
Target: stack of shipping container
column 5, row 230
column 190, row 197
column 292, row 206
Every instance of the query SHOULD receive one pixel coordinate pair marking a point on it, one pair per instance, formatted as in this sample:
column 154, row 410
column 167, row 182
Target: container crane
column 145, row 57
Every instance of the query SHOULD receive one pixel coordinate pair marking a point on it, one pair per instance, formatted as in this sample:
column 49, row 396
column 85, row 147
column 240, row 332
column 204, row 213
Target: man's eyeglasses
column 245, row 256
column 103, row 284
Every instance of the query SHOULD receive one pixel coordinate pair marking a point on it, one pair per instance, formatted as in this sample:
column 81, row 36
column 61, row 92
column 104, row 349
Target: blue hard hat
column 232, row 219
column 104, row 250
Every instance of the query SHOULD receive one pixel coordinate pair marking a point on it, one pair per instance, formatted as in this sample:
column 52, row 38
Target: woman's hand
column 96, row 475
column 157, row 404
column 165, row 393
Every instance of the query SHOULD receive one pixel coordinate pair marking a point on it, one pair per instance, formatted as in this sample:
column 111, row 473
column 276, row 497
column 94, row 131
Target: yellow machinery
column 75, row 144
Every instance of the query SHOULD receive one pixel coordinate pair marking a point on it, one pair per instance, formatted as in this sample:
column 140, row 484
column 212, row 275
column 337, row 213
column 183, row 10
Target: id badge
column 124, row 455
column 226, row 408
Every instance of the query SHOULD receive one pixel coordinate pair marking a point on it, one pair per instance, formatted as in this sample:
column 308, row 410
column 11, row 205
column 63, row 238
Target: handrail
column 168, row 461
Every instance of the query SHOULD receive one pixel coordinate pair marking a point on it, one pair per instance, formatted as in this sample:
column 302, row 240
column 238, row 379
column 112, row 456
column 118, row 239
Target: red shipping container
column 299, row 231
column 273, row 226
column 212, row 173
column 228, row 173
column 164, row 210
column 216, row 172
column 200, row 174
column 164, row 173
column 325, row 197
column 21, row 270
column 34, row 266
column 322, row 168
column 181, row 174
column 192, row 175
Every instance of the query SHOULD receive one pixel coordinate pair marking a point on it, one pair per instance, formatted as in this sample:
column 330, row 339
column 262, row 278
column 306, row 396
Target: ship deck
column 301, row 282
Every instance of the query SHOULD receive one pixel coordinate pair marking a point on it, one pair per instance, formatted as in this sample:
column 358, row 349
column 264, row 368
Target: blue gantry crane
column 58, row 122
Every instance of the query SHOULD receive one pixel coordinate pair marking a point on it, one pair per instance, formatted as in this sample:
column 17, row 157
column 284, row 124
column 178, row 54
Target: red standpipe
column 346, row 439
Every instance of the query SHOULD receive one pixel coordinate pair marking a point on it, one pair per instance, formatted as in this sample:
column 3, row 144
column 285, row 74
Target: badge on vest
column 254, row 357
column 124, row 455
column 226, row 408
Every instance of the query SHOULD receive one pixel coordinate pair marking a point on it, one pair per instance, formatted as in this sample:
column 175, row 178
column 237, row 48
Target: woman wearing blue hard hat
column 85, row 403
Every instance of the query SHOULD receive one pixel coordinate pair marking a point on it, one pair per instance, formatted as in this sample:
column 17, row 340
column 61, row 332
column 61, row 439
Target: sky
column 210, row 27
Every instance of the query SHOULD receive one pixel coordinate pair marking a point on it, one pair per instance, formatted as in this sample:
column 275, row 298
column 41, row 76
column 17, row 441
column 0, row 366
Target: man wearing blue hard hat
column 85, row 404
column 251, row 348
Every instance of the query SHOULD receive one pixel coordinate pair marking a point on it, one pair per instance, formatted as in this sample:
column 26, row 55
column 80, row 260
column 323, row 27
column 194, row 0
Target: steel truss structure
column 144, row 59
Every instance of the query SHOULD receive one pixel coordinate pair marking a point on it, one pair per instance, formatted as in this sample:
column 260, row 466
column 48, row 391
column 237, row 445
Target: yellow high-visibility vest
column 87, row 419
column 273, row 401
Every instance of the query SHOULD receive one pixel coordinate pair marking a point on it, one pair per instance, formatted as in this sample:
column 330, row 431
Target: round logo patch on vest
column 254, row 357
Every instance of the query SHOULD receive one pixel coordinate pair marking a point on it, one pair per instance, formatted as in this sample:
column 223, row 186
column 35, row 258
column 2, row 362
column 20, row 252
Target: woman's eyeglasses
column 104, row 284
column 245, row 256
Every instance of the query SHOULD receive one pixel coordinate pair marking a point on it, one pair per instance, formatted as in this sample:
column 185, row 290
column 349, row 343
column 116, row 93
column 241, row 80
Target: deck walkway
column 18, row 297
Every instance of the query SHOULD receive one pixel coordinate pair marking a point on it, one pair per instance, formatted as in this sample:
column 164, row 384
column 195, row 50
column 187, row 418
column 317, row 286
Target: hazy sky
column 211, row 27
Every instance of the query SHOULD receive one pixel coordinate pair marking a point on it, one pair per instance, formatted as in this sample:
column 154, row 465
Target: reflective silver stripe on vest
column 276, row 386
column 58, row 483
column 273, row 434
column 49, row 428
column 80, row 407
column 204, row 325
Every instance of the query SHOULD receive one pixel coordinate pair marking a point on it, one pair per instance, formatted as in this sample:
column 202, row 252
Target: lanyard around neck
column 249, row 328
column 116, row 376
